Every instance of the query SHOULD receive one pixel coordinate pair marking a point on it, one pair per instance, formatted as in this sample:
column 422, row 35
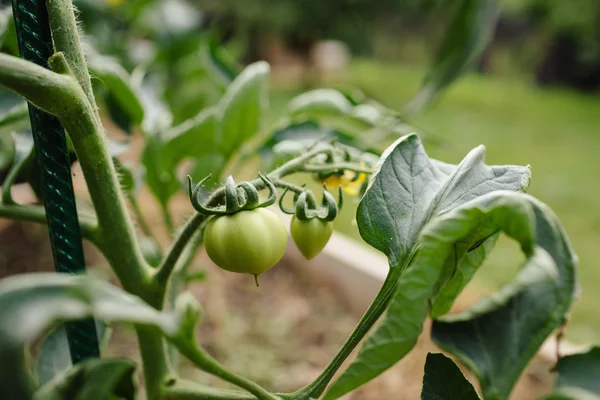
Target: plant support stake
column 35, row 44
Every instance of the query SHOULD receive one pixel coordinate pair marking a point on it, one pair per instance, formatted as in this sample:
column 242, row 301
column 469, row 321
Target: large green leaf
column 93, row 379
column 319, row 102
column 443, row 380
column 242, row 108
column 367, row 123
column 212, row 137
column 498, row 336
column 408, row 190
column 466, row 38
column 195, row 139
column 578, row 376
column 457, row 279
column 32, row 303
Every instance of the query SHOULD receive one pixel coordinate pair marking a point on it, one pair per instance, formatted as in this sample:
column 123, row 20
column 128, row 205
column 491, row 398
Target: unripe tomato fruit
column 311, row 235
column 248, row 242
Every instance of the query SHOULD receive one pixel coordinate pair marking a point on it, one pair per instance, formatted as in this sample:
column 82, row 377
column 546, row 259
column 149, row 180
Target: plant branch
column 336, row 167
column 89, row 226
column 166, row 268
column 208, row 364
column 188, row 390
column 289, row 186
column 61, row 15
column 45, row 89
column 375, row 310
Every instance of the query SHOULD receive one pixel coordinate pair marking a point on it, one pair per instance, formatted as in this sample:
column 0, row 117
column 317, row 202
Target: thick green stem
column 119, row 241
column 48, row 90
column 65, row 37
column 61, row 95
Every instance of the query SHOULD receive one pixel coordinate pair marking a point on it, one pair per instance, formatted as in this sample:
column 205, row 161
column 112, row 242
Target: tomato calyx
column 243, row 196
column 306, row 205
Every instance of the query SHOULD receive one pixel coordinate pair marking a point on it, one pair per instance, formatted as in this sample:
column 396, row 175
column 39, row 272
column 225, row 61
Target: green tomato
column 311, row 235
column 246, row 242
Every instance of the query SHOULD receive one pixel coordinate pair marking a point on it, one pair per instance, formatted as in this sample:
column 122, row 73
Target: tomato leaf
column 54, row 356
column 498, row 336
column 32, row 303
column 210, row 138
column 93, row 379
column 466, row 38
column 242, row 108
column 319, row 102
column 578, row 376
column 407, row 191
column 333, row 111
column 443, row 380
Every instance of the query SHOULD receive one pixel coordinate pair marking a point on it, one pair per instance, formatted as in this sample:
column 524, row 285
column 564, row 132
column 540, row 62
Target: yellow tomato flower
column 349, row 182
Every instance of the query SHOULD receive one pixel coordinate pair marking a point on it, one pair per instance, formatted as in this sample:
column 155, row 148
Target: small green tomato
column 248, row 242
column 311, row 235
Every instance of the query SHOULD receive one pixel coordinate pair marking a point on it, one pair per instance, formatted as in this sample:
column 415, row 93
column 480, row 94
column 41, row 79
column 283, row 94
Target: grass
column 557, row 132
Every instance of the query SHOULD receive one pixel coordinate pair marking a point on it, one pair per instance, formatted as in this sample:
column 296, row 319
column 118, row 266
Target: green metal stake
column 35, row 44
